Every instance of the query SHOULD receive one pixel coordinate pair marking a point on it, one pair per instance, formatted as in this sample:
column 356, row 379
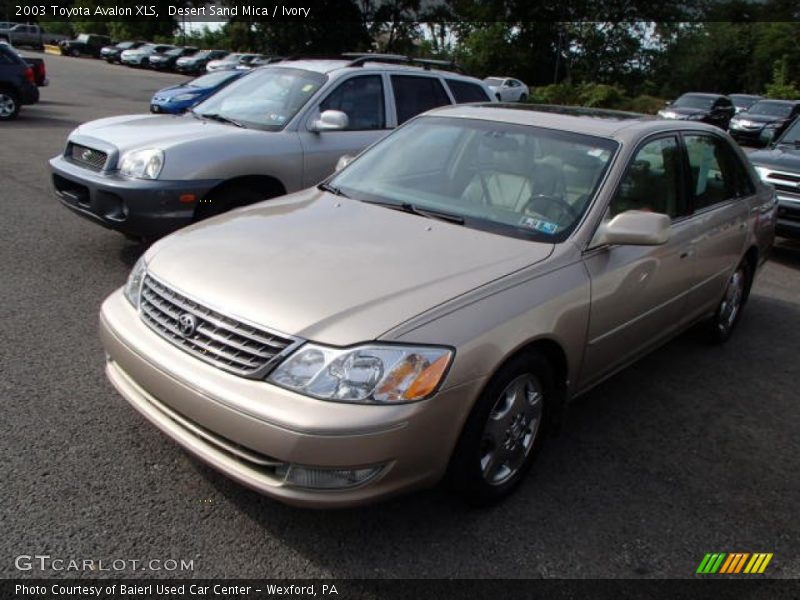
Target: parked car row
column 750, row 119
column 23, row 34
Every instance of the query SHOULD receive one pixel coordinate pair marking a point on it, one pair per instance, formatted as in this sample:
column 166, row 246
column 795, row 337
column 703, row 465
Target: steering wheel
column 564, row 207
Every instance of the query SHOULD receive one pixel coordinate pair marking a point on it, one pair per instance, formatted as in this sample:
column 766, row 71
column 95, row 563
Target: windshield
column 176, row 51
column 212, row 79
column 125, row 45
column 515, row 180
column 743, row 101
column 689, row 101
column 267, row 99
column 82, row 38
column 493, row 81
column 792, row 134
column 769, row 108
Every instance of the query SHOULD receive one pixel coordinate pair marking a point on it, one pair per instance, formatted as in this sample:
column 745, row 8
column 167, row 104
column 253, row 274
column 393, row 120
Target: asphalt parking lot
column 694, row 449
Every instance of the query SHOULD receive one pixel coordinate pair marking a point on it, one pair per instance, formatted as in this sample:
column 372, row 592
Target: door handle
column 686, row 253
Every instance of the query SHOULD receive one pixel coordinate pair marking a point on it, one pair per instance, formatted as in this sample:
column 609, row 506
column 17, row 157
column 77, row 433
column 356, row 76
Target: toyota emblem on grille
column 187, row 324
column 86, row 155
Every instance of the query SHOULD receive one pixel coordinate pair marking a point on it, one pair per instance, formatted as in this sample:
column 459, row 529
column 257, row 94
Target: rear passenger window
column 414, row 95
column 467, row 92
column 652, row 180
column 713, row 175
column 361, row 99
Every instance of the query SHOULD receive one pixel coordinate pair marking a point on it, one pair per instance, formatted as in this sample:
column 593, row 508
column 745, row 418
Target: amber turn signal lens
column 428, row 379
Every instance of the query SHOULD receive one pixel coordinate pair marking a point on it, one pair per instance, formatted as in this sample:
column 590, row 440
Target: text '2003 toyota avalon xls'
column 429, row 310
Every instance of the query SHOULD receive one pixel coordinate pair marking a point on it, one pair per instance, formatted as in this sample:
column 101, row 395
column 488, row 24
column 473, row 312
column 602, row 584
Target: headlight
column 133, row 286
column 762, row 172
column 695, row 117
column 370, row 374
column 142, row 164
column 182, row 97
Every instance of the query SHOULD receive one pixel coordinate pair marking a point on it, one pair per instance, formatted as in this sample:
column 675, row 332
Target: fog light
column 325, row 479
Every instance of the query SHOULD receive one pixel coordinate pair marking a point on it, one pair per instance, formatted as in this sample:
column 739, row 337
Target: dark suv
column 17, row 83
column 714, row 109
column 779, row 165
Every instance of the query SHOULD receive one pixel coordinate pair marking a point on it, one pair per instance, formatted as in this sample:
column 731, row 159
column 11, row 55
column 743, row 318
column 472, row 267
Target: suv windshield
column 770, row 108
column 688, row 101
column 267, row 99
column 516, row 180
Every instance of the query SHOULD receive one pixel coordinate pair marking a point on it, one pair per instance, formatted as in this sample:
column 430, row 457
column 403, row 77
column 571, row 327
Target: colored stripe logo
column 734, row 563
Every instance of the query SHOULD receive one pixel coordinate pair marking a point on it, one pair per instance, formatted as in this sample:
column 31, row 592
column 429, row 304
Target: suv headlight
column 142, row 164
column 133, row 287
column 369, row 374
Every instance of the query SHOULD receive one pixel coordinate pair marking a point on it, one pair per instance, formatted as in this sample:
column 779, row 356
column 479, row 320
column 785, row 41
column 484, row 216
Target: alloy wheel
column 7, row 105
column 731, row 301
column 511, row 429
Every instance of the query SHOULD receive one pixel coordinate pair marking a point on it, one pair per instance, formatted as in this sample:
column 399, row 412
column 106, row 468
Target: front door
column 640, row 292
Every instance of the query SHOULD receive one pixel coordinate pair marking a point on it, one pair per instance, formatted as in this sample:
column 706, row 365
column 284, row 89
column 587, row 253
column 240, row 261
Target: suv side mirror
column 330, row 120
column 767, row 135
column 634, row 228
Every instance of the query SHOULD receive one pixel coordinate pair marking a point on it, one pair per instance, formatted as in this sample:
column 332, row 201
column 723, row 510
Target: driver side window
column 361, row 99
column 652, row 180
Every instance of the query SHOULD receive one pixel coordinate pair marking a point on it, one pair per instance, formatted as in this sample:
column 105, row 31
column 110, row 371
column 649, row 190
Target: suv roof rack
column 359, row 58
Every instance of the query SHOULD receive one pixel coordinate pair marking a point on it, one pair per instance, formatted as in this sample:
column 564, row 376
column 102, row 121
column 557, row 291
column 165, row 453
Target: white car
column 507, row 89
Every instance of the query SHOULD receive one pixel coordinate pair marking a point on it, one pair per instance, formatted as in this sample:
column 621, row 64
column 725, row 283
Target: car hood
column 177, row 90
column 130, row 132
column 685, row 111
column 759, row 118
column 330, row 269
column 784, row 158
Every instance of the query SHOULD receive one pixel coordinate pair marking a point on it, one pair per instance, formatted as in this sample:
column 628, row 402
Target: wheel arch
column 265, row 183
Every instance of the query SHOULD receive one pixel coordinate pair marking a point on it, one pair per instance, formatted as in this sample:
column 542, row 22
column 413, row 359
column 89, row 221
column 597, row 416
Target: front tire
column 504, row 431
column 729, row 310
column 9, row 105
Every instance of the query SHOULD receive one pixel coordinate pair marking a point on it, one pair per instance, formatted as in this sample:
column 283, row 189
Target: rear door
column 639, row 293
column 363, row 99
column 718, row 187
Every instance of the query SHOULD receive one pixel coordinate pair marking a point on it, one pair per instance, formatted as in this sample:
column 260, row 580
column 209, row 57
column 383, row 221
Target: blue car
column 180, row 98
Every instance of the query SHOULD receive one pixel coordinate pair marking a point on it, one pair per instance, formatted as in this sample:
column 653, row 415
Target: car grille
column 224, row 342
column 784, row 182
column 87, row 157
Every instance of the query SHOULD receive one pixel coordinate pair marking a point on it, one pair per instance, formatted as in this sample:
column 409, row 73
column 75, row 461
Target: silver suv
column 279, row 129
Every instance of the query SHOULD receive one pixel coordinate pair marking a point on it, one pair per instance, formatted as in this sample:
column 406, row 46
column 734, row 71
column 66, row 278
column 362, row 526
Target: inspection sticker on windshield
column 539, row 225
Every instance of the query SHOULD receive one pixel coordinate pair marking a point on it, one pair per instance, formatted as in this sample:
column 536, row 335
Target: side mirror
column 343, row 161
column 767, row 135
column 634, row 228
column 330, row 120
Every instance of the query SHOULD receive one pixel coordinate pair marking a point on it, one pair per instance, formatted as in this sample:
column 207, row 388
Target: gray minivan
column 279, row 129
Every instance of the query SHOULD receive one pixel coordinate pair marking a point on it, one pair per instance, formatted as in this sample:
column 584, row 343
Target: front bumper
column 237, row 425
column 788, row 223
column 748, row 134
column 135, row 207
column 30, row 94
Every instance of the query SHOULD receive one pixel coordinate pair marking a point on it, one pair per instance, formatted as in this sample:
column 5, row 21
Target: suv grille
column 224, row 342
column 87, row 157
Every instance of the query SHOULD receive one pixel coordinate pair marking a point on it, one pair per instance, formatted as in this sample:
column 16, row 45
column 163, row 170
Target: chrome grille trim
column 229, row 344
column 84, row 156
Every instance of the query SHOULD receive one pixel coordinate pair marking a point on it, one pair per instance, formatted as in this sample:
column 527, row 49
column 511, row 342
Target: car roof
column 614, row 124
column 704, row 95
column 344, row 65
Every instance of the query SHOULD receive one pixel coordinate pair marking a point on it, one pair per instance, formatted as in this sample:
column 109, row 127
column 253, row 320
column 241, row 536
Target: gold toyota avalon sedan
column 429, row 310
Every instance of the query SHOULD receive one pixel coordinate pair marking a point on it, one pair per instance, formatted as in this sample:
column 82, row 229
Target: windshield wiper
column 419, row 211
column 327, row 187
column 220, row 118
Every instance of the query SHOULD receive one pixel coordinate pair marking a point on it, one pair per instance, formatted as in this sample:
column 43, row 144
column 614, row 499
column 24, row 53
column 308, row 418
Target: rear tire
column 75, row 53
column 9, row 104
column 523, row 98
column 504, row 431
column 729, row 311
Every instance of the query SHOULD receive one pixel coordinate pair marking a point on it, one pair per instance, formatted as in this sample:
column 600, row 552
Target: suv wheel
column 504, row 431
column 9, row 105
column 730, row 308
